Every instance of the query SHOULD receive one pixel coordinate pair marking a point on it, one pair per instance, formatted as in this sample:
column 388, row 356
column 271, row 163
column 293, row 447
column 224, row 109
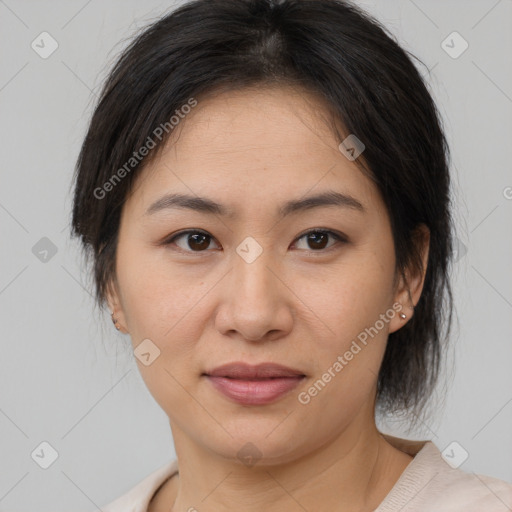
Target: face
column 253, row 281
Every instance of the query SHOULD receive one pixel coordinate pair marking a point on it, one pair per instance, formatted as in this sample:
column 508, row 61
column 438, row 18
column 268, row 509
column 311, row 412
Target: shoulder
column 455, row 489
column 137, row 499
column 430, row 483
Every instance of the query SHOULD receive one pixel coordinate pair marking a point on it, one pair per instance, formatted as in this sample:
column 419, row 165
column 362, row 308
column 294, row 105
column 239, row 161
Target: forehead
column 254, row 119
column 267, row 142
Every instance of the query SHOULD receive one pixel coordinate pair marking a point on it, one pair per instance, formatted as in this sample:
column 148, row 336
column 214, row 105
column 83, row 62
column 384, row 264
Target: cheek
column 352, row 296
column 350, row 301
column 164, row 307
column 156, row 295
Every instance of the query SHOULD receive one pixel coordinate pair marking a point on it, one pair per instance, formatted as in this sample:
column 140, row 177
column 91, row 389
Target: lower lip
column 254, row 392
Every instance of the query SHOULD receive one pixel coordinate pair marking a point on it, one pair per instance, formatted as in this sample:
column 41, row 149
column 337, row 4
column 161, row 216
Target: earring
column 403, row 316
column 114, row 321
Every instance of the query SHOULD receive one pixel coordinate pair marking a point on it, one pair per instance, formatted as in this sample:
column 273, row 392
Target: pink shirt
column 428, row 484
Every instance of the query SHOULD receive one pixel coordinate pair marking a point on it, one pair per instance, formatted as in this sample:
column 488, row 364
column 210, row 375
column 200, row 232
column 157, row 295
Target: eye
column 318, row 238
column 195, row 241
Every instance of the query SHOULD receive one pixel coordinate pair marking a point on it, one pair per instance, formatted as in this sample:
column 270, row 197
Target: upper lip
column 240, row 370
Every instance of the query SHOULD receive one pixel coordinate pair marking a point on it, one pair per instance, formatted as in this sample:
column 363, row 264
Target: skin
column 252, row 150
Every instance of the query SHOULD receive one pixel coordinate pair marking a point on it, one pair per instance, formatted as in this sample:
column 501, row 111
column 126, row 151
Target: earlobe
column 116, row 312
column 115, row 321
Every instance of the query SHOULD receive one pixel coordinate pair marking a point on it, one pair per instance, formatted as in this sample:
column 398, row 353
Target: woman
column 264, row 191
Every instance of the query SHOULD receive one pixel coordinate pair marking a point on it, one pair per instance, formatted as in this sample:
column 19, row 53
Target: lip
column 254, row 385
column 241, row 370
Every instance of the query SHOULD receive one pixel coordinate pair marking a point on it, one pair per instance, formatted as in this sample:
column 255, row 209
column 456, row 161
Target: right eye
column 194, row 240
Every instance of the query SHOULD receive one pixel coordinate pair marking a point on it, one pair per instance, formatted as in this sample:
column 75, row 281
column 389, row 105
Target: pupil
column 204, row 245
column 313, row 236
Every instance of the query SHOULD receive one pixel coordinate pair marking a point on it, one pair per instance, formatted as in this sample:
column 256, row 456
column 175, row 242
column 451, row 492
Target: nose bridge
column 251, row 273
column 254, row 307
column 254, row 301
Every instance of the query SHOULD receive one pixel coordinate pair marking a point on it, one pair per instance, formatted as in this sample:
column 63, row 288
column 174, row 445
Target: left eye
column 317, row 238
column 198, row 241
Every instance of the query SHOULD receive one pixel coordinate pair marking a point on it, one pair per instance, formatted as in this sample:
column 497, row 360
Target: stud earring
column 403, row 316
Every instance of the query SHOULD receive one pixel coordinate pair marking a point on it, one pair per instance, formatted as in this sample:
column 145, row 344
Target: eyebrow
column 205, row 205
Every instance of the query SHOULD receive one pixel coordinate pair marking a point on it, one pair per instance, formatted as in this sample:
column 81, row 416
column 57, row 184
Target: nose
column 257, row 304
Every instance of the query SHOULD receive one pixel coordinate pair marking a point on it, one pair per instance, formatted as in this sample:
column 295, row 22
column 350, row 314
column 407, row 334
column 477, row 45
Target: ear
column 115, row 305
column 411, row 281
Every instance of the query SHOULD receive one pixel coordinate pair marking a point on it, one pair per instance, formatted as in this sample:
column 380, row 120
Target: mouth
column 254, row 385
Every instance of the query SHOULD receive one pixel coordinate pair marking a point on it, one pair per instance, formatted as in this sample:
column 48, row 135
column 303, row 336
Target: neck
column 354, row 470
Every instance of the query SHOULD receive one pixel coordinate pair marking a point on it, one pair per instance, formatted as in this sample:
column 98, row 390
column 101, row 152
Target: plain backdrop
column 67, row 379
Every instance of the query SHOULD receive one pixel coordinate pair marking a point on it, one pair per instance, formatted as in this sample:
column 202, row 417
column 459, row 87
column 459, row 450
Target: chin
column 257, row 442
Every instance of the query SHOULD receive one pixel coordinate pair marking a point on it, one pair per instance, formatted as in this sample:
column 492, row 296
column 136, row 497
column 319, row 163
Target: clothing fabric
column 428, row 484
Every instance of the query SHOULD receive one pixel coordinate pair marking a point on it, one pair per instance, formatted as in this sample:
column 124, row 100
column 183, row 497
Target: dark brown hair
column 373, row 89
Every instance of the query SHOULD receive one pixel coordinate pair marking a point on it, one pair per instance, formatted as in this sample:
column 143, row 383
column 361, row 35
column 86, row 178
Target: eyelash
column 339, row 237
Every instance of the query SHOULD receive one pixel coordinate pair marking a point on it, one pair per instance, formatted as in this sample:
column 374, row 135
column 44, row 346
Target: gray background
column 69, row 380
